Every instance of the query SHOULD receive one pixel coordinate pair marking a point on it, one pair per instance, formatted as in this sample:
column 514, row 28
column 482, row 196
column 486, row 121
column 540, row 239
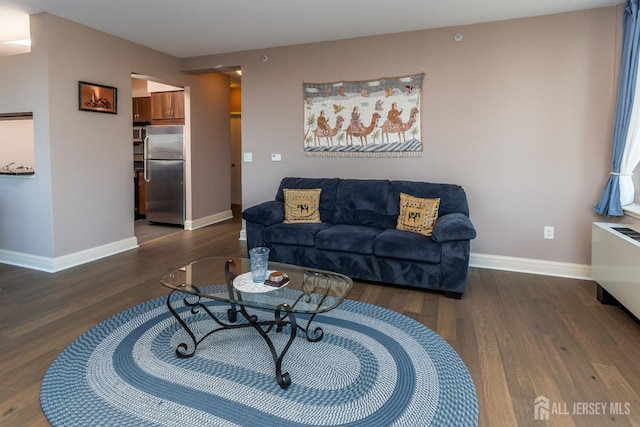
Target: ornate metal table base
column 283, row 316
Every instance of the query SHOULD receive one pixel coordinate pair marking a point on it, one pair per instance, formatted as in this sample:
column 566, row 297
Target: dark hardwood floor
column 521, row 335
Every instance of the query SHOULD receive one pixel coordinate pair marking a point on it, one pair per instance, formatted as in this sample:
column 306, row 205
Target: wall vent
column 633, row 234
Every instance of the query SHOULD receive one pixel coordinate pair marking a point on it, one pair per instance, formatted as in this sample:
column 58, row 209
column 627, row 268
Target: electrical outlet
column 276, row 157
column 548, row 232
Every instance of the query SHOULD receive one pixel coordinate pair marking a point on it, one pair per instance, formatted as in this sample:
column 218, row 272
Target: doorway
column 235, row 103
column 158, row 113
column 145, row 232
column 236, row 164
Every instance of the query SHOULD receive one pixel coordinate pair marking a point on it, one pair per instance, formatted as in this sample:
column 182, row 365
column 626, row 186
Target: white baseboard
column 208, row 220
column 52, row 265
column 522, row 265
column 495, row 262
column 533, row 266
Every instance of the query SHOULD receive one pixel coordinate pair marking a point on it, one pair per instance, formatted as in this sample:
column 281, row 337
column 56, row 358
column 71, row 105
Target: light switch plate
column 248, row 157
column 276, row 157
column 549, row 232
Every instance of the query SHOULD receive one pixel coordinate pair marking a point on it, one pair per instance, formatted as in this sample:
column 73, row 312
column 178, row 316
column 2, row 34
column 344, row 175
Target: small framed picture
column 98, row 98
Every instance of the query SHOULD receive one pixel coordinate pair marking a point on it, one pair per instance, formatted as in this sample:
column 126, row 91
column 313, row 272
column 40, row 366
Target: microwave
column 138, row 134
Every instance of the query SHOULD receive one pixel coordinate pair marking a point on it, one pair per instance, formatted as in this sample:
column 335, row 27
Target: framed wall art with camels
column 369, row 118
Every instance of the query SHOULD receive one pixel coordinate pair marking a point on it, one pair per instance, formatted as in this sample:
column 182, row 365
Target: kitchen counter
column 17, row 172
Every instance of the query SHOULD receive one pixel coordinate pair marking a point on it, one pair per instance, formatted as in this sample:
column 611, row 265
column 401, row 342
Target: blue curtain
column 609, row 203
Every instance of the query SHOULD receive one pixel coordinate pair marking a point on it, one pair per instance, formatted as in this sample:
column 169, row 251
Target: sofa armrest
column 266, row 213
column 453, row 226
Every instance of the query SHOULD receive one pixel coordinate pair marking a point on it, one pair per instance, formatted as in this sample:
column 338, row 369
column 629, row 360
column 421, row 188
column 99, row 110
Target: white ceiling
column 186, row 28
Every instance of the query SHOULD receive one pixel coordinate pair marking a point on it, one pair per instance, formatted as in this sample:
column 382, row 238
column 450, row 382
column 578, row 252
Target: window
column 634, row 209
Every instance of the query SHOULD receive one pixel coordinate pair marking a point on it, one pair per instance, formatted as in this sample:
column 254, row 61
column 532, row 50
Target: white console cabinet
column 615, row 264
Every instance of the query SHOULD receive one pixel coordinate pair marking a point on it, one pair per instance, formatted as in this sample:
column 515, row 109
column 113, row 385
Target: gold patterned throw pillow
column 417, row 215
column 302, row 205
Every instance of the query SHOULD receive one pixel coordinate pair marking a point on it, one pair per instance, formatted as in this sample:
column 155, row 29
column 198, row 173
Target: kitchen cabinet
column 167, row 105
column 140, row 192
column 142, row 109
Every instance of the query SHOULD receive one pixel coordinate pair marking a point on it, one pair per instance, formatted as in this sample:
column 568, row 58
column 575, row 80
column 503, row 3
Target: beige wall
column 236, row 99
column 519, row 113
column 211, row 161
column 79, row 204
column 26, row 215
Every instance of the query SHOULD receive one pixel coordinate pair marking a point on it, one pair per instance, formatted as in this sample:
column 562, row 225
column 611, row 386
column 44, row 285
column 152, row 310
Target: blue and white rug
column 373, row 367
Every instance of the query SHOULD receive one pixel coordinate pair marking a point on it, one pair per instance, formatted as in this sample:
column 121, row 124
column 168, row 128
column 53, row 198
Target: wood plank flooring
column 521, row 335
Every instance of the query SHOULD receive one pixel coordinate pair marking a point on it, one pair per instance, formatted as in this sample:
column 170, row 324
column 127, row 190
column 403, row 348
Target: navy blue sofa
column 358, row 237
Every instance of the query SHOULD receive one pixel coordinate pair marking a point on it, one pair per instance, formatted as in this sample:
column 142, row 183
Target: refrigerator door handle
column 147, row 172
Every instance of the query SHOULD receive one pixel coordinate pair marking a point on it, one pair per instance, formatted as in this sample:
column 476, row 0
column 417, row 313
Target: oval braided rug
column 374, row 367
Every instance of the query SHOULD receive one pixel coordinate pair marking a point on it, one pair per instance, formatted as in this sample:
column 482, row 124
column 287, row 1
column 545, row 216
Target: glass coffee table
column 307, row 291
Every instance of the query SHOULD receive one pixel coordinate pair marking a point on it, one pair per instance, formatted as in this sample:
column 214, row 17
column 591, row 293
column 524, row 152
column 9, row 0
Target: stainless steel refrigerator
column 164, row 174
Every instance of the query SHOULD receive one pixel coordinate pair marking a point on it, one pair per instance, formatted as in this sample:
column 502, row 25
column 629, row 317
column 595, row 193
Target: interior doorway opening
column 235, row 104
column 160, row 198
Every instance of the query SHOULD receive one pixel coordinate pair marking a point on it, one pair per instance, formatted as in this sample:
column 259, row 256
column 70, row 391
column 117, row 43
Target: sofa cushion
column 364, row 202
column 302, row 205
column 417, row 215
column 347, row 238
column 327, row 197
column 406, row 245
column 452, row 197
column 294, row 234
